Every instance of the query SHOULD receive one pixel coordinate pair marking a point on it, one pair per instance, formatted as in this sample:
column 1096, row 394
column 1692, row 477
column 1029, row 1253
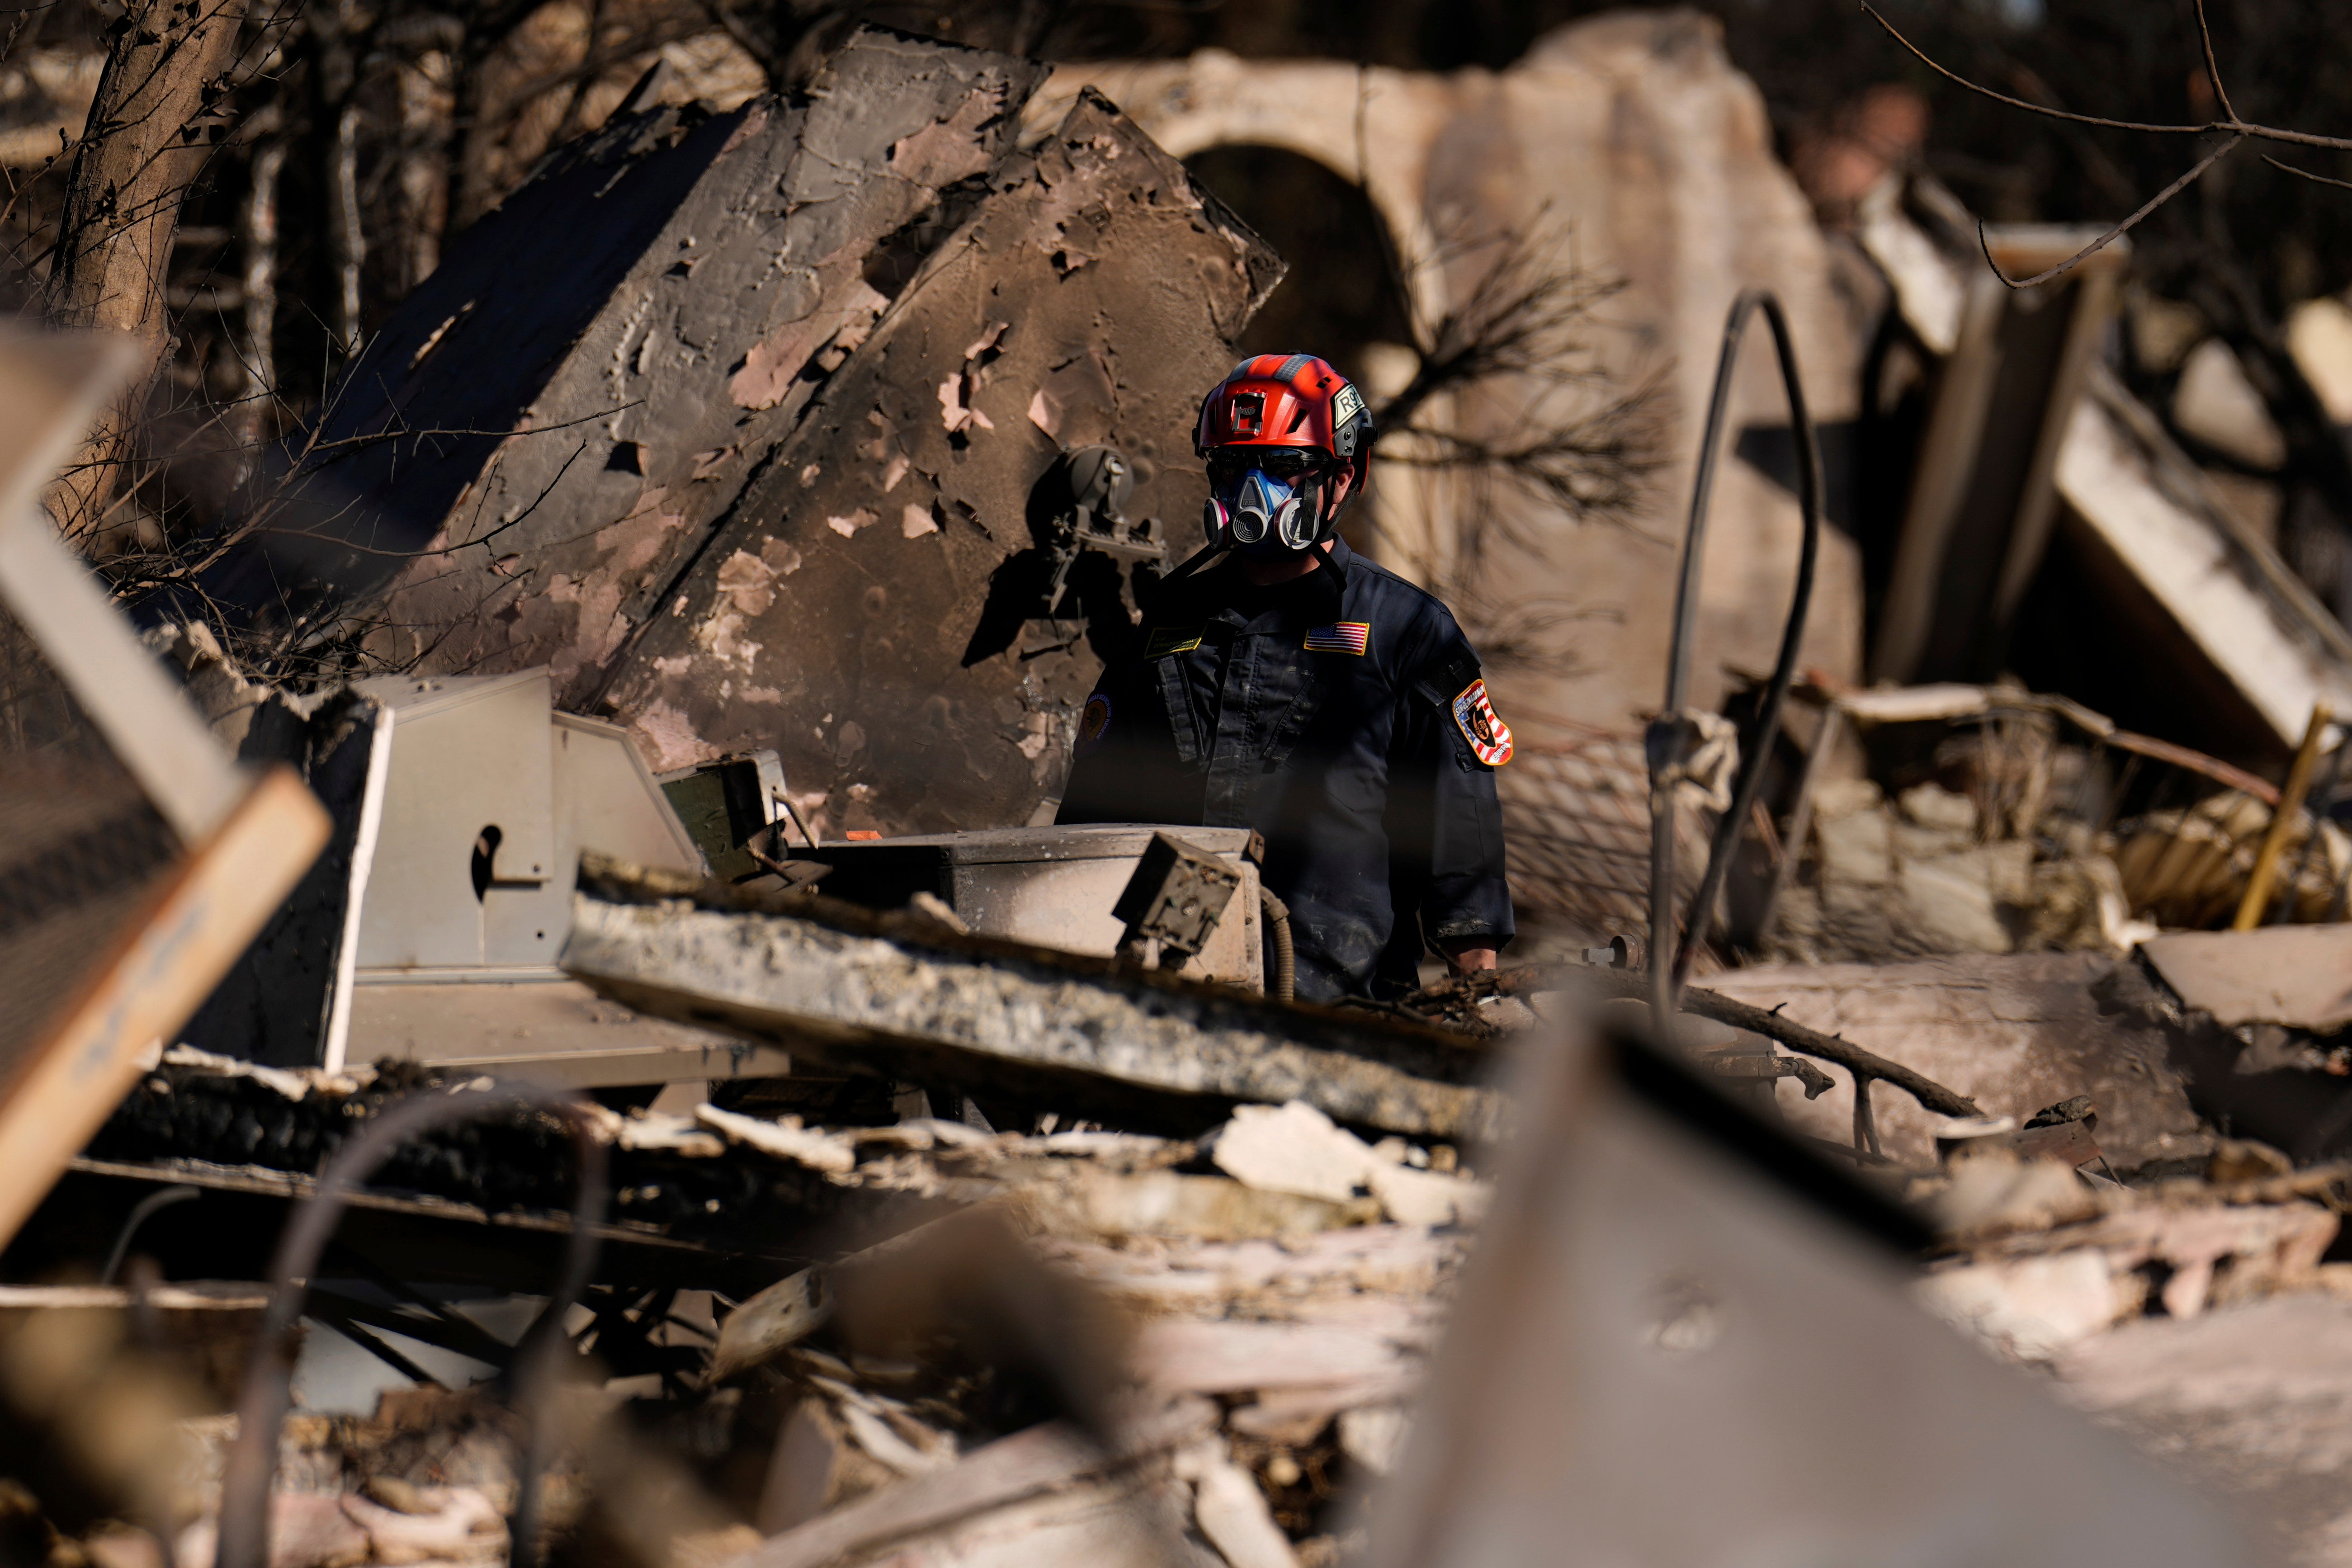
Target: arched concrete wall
column 1632, row 133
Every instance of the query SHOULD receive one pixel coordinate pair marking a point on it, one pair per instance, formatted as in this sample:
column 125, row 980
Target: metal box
column 1052, row 886
column 430, row 932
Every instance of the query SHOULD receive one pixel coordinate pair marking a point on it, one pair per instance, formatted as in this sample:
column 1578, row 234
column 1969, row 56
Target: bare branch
column 2232, row 124
column 2043, row 110
column 2118, row 231
column 2213, row 70
column 2305, row 174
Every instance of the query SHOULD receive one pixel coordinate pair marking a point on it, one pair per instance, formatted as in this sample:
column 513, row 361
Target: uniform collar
column 1203, row 593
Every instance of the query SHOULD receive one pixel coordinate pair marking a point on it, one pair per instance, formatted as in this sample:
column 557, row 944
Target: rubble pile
column 2194, row 1315
column 1279, row 1282
column 1921, row 874
column 982, row 1196
column 2038, row 1258
column 1991, row 819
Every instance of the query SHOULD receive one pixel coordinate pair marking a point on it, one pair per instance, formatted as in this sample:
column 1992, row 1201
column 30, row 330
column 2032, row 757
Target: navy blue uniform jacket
column 1251, row 708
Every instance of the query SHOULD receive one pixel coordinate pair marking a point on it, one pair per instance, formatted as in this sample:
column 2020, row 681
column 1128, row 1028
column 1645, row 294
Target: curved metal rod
column 244, row 1541
column 1667, row 979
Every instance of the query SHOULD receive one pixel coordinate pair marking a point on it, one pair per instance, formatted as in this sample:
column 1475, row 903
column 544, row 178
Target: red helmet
column 1293, row 402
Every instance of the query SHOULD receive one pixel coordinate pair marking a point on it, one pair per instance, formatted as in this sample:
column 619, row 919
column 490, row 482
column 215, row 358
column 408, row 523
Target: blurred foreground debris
column 136, row 857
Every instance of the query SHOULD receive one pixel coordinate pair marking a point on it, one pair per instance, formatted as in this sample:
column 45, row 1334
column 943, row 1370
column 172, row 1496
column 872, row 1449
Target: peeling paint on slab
column 906, row 626
column 677, row 240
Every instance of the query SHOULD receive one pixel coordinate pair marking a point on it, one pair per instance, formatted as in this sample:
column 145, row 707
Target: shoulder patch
column 1094, row 724
column 1489, row 737
column 1340, row 637
column 1165, row 640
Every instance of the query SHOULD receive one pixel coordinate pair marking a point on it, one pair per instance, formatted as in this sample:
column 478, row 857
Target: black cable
column 244, row 1540
column 1667, row 744
column 138, row 1216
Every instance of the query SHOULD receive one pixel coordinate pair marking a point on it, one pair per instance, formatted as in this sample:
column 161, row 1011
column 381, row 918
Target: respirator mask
column 1266, row 501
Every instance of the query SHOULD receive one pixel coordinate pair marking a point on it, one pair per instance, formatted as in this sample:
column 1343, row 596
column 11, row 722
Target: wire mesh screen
column 1576, row 829
column 80, row 847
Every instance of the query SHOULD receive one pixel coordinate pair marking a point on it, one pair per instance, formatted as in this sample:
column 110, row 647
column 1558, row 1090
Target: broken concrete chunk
column 1373, row 1437
column 2300, row 976
column 1996, row 1192
column 1294, row 1148
column 1183, row 1357
column 1426, row 1197
column 1053, row 1027
column 1232, row 1514
column 2031, row 1308
column 1932, row 805
column 1954, row 902
column 1856, row 846
column 1835, row 799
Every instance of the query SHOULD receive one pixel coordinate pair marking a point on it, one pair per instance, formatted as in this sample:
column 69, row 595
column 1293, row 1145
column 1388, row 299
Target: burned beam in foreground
column 895, row 995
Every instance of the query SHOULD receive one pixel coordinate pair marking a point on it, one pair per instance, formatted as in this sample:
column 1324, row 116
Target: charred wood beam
column 903, row 996
column 413, row 1238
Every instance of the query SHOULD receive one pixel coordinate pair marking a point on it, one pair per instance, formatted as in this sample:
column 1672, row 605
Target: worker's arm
column 1465, row 899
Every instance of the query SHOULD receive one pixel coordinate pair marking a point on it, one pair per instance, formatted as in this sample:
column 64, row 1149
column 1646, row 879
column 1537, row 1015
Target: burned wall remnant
column 746, row 426
column 1631, row 143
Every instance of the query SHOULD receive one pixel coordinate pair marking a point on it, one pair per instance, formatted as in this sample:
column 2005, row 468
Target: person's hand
column 1465, row 958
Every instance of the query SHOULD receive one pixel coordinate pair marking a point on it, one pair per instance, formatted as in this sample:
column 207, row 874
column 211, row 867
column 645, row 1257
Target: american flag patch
column 1342, row 636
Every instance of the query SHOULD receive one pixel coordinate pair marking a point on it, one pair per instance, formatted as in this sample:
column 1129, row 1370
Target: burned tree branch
column 1632, row 986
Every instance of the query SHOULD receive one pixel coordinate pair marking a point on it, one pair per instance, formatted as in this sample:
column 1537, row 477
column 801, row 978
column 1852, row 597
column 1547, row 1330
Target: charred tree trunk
column 335, row 75
column 131, row 172
column 260, row 295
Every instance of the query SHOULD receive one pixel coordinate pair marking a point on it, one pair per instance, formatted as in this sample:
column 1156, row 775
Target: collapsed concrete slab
column 745, row 425
column 902, row 997
column 867, row 607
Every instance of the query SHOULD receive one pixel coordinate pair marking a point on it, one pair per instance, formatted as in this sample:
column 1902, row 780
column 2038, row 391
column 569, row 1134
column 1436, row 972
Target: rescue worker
column 1285, row 683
